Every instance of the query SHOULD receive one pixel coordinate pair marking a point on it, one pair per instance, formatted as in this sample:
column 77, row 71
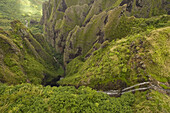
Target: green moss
column 42, row 40
column 11, row 70
column 11, row 76
column 7, row 44
column 74, row 16
column 95, row 47
column 95, row 9
column 149, row 8
column 36, row 28
column 12, row 62
column 77, row 2
column 151, row 102
column 113, row 5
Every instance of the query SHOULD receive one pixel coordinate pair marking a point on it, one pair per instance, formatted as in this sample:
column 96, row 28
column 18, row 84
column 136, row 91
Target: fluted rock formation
column 74, row 27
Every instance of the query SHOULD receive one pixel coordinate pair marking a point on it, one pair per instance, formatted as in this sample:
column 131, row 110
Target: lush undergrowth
column 29, row 98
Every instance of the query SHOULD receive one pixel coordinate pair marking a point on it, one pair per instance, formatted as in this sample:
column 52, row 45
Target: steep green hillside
column 84, row 32
column 113, row 44
column 103, row 45
column 124, row 62
column 24, row 59
column 88, row 18
column 19, row 9
column 151, row 102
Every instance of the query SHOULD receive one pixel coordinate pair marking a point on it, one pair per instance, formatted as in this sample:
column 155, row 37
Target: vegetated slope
column 151, row 102
column 88, row 18
column 105, row 47
column 124, row 62
column 113, row 44
column 25, row 57
column 20, row 9
column 82, row 30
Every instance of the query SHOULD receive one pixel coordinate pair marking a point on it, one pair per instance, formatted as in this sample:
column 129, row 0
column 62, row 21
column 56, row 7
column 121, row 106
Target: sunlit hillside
column 31, row 7
column 23, row 10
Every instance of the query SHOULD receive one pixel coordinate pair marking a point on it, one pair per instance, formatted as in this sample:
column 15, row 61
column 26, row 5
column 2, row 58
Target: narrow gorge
column 70, row 58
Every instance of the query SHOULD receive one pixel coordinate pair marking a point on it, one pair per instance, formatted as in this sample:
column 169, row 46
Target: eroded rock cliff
column 73, row 28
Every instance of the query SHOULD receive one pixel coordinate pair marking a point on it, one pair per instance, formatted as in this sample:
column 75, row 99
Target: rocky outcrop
column 54, row 17
column 81, row 39
column 75, row 27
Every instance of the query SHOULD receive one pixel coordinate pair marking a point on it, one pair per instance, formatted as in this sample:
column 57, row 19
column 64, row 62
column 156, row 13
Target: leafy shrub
column 39, row 99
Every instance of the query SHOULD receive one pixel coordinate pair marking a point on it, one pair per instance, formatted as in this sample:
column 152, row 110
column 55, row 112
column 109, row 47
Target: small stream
column 116, row 93
column 148, row 85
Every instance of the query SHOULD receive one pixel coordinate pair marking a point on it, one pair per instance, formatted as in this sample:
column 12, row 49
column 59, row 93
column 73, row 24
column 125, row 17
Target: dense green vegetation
column 38, row 99
column 151, row 102
column 25, row 57
column 30, row 98
column 94, row 45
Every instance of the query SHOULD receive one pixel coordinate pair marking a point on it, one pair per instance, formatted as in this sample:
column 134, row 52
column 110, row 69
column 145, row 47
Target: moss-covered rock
column 80, row 40
column 74, row 15
column 65, row 10
column 146, row 8
column 62, row 19
column 110, row 26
